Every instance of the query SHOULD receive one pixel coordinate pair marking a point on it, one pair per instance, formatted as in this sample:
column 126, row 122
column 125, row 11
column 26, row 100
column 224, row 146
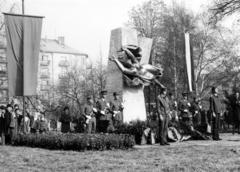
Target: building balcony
column 2, row 72
column 45, row 87
column 63, row 63
column 44, row 63
column 45, row 75
column 62, row 76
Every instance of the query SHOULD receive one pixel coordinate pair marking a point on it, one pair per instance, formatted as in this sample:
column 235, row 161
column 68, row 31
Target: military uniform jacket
column 184, row 106
column 215, row 104
column 116, row 105
column 88, row 110
column 102, row 106
column 164, row 108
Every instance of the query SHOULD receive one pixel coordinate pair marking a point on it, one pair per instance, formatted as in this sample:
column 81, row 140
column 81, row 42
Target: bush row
column 76, row 142
column 135, row 128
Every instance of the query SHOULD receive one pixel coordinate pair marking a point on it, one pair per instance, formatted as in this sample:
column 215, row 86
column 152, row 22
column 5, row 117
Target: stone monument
column 129, row 71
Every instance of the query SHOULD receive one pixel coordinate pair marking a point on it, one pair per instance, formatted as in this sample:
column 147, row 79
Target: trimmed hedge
column 135, row 128
column 76, row 142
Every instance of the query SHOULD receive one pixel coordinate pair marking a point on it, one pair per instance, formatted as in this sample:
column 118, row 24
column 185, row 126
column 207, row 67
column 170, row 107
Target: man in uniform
column 163, row 111
column 196, row 110
column 185, row 116
column 117, row 108
column 104, row 117
column 215, row 110
column 89, row 112
column 186, row 121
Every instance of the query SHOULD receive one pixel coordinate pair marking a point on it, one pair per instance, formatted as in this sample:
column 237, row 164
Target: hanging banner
column 188, row 61
column 23, row 45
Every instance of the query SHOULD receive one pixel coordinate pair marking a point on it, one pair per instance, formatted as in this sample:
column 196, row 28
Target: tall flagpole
column 24, row 107
column 23, row 7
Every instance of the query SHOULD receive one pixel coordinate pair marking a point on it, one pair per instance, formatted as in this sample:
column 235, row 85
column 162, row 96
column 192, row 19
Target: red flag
column 23, row 44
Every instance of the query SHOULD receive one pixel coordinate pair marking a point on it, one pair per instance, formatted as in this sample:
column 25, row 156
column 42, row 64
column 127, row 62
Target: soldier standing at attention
column 104, row 117
column 215, row 110
column 163, row 111
column 89, row 112
column 117, row 109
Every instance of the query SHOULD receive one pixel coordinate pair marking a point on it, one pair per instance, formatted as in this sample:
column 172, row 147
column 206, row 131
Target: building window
column 3, row 94
column 3, row 82
column 3, row 67
column 45, row 57
column 44, row 73
column 2, row 54
column 44, row 82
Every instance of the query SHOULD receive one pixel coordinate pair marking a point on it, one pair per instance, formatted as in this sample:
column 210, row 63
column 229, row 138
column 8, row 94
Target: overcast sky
column 86, row 24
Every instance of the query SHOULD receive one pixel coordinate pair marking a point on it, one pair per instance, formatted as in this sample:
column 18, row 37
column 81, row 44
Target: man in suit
column 236, row 111
column 215, row 110
column 163, row 111
column 117, row 109
column 104, row 117
column 89, row 112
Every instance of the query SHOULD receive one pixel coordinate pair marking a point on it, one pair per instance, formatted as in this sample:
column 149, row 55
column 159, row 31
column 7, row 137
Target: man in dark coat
column 3, row 126
column 215, row 110
column 65, row 119
column 10, row 124
column 163, row 111
column 236, row 111
column 117, row 109
column 104, row 117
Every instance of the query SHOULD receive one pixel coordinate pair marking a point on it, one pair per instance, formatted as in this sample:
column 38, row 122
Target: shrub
column 135, row 128
column 77, row 142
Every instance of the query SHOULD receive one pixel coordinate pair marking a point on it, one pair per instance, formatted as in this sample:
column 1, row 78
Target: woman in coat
column 65, row 119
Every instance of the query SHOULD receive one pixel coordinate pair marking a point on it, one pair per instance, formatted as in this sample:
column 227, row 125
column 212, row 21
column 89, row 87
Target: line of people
column 101, row 116
column 180, row 121
column 13, row 122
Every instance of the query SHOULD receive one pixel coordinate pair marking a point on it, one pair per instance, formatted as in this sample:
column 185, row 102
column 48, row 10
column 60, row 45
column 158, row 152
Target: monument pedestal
column 134, row 104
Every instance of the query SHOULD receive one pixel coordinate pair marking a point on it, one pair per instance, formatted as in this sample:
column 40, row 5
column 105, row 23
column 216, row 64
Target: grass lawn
column 186, row 156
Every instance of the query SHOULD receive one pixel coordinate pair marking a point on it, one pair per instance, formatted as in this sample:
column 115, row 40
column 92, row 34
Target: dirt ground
column 185, row 156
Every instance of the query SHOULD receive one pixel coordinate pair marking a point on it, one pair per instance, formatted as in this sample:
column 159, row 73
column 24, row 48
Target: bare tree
column 215, row 55
column 214, row 47
column 7, row 6
column 222, row 8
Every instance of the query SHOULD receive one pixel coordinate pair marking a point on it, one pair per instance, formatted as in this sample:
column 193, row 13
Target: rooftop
column 55, row 46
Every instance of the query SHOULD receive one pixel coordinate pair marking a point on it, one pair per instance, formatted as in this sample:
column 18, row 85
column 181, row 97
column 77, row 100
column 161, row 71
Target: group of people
column 104, row 115
column 187, row 117
column 13, row 122
column 101, row 116
column 176, row 120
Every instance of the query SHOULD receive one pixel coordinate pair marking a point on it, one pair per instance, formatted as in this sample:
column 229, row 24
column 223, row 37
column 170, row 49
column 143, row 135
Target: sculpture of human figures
column 139, row 74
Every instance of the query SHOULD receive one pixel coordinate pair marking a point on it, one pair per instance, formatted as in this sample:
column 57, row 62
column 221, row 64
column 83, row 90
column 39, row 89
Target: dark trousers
column 102, row 126
column 163, row 129
column 215, row 126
